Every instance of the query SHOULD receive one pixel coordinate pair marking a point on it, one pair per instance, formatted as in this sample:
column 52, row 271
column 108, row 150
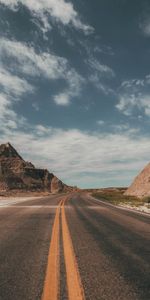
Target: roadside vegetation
column 117, row 197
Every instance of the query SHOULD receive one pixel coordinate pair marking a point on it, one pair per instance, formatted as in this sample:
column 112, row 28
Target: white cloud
column 42, row 130
column 96, row 80
column 24, row 59
column 99, row 72
column 128, row 104
column 101, row 69
column 60, row 10
column 75, row 81
column 13, row 84
column 35, row 105
column 134, row 83
column 31, row 63
column 145, row 104
column 79, row 157
column 145, row 26
column 8, row 118
column 4, row 102
column 12, row 88
column 62, row 99
column 135, row 97
column 122, row 127
column 100, row 122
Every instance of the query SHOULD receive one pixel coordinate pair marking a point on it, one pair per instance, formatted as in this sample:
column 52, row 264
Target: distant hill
column 141, row 184
column 17, row 174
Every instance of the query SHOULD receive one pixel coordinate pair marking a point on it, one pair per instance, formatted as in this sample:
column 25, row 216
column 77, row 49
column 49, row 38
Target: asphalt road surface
column 73, row 247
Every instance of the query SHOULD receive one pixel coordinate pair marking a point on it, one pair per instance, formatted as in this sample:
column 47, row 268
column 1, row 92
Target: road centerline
column 51, row 284
column 75, row 289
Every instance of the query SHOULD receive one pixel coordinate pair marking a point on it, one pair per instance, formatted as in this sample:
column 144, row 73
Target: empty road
column 73, row 247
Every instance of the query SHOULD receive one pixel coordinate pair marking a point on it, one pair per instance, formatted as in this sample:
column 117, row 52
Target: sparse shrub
column 116, row 197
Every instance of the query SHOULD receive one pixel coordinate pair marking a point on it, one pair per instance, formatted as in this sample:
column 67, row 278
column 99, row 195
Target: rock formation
column 17, row 174
column 141, row 184
column 56, row 185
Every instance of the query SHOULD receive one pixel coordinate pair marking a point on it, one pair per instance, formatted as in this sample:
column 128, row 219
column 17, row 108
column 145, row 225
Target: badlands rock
column 141, row 185
column 17, row 174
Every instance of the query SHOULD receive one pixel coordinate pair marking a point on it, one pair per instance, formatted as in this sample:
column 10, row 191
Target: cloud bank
column 79, row 157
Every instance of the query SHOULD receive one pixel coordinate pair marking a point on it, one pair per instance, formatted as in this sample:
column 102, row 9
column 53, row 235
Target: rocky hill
column 141, row 184
column 17, row 174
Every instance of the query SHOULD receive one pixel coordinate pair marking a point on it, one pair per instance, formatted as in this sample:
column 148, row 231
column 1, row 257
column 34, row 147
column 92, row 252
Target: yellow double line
column 52, row 281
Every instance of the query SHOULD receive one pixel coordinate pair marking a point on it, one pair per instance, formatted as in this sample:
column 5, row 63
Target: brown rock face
column 141, row 185
column 56, row 185
column 15, row 173
column 6, row 150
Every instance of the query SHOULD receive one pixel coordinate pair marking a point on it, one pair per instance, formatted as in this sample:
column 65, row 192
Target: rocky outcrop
column 17, row 174
column 141, row 184
column 56, row 185
column 8, row 151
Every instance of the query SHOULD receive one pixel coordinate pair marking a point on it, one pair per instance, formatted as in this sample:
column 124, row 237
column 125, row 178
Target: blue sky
column 75, row 87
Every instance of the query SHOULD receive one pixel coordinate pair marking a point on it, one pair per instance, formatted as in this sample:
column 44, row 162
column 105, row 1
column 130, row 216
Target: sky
column 75, row 87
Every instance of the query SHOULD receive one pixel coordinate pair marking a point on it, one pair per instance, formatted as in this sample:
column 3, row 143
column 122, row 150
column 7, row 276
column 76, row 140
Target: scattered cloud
column 134, row 83
column 119, row 128
column 94, row 79
column 4, row 107
column 123, row 128
column 135, row 97
column 9, row 119
column 112, row 152
column 99, row 72
column 12, row 88
column 13, row 84
column 24, row 59
column 62, row 99
column 145, row 26
column 35, row 105
column 54, row 148
column 75, row 82
column 42, row 130
column 60, row 10
column 128, row 104
column 94, row 46
column 100, row 122
column 101, row 69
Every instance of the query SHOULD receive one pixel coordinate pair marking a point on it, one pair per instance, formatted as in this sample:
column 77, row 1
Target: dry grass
column 117, row 197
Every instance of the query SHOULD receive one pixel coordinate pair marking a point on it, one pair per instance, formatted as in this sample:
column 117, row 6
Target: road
column 73, row 247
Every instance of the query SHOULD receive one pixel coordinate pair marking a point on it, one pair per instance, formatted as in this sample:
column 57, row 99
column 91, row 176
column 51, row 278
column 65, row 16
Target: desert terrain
column 61, row 242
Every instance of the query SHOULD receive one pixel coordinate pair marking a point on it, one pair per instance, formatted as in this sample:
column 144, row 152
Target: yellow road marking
column 52, row 280
column 75, row 289
column 51, row 285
